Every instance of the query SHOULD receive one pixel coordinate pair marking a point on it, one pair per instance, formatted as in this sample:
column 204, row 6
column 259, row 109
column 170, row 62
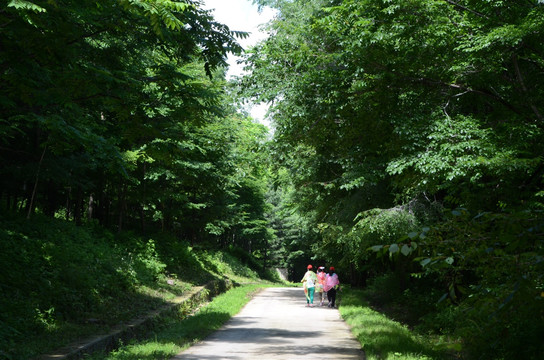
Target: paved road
column 276, row 324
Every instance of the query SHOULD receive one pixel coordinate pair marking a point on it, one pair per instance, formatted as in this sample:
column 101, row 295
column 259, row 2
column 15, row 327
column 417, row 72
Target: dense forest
column 409, row 143
column 115, row 117
column 407, row 151
column 116, row 114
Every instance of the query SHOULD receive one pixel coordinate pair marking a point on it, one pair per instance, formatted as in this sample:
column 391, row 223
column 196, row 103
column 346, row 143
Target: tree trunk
column 69, row 204
column 101, row 208
column 78, row 207
column 31, row 205
column 142, row 204
column 122, row 207
column 90, row 207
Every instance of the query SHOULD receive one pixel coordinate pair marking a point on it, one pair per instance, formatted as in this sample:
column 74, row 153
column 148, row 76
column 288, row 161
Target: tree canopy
column 412, row 132
column 117, row 112
column 407, row 144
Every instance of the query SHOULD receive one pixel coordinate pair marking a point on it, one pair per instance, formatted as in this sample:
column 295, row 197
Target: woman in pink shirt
column 331, row 285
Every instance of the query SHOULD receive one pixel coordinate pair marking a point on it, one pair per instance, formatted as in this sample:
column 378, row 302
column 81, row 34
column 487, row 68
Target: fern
column 25, row 5
column 161, row 13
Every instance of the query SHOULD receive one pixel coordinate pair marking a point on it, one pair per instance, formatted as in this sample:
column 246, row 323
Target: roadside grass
column 61, row 283
column 382, row 338
column 139, row 302
column 176, row 334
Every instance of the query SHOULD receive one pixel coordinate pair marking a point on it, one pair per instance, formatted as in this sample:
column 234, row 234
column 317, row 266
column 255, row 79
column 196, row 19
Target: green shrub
column 255, row 264
column 373, row 227
column 498, row 330
column 379, row 226
column 55, row 277
column 54, row 273
column 245, row 257
column 490, row 270
column 442, row 320
column 383, row 289
column 181, row 259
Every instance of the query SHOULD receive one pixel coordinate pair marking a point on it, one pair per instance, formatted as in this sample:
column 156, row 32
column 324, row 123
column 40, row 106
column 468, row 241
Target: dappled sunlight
column 147, row 351
column 382, row 338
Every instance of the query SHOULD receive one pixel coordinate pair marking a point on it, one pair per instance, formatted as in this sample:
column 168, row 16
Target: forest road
column 276, row 324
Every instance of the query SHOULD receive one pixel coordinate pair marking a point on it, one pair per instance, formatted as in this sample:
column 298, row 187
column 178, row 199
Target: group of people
column 321, row 283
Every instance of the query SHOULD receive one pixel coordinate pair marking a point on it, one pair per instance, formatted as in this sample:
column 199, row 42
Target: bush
column 59, row 281
column 252, row 262
column 374, row 228
column 54, row 272
column 498, row 330
column 490, row 269
column 181, row 259
column 384, row 289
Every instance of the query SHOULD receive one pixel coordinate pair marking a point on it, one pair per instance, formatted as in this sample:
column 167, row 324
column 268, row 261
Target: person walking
column 320, row 287
column 309, row 280
column 332, row 284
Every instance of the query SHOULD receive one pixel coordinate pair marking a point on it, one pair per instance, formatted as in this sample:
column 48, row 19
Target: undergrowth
column 384, row 338
column 178, row 334
column 60, row 282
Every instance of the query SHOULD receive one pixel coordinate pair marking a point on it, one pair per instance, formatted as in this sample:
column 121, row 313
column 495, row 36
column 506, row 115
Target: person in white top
column 309, row 280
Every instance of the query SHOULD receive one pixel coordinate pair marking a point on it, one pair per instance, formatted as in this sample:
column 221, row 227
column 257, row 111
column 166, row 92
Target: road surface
column 276, row 324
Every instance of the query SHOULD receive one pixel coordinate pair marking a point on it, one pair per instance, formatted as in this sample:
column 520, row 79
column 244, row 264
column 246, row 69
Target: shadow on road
column 276, row 324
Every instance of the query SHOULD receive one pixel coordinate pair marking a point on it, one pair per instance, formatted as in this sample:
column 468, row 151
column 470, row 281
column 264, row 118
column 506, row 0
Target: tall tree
column 85, row 82
column 388, row 111
column 404, row 96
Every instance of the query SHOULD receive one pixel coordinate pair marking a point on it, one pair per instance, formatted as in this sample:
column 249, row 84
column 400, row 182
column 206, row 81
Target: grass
column 60, row 282
column 382, row 338
column 178, row 334
column 138, row 303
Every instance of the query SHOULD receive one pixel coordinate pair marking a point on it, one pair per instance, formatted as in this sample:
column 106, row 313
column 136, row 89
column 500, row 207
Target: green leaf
column 376, row 248
column 425, row 262
column 26, row 5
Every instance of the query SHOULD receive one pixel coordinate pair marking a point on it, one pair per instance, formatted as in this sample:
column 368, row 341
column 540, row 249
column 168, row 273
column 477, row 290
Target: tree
column 86, row 82
column 414, row 105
